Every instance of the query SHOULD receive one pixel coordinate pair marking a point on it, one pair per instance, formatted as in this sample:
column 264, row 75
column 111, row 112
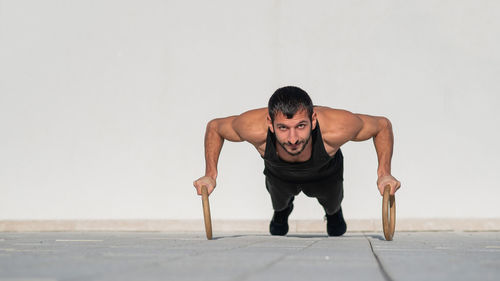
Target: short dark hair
column 288, row 100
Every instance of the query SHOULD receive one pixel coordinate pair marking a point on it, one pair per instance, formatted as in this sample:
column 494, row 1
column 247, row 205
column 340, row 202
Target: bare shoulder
column 338, row 126
column 251, row 126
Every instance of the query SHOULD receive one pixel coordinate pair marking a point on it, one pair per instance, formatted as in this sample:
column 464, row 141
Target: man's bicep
column 225, row 128
column 249, row 126
column 368, row 126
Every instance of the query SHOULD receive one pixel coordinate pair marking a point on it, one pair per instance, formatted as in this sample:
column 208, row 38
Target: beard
column 303, row 142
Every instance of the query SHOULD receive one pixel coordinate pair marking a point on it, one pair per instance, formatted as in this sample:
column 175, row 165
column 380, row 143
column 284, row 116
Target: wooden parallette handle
column 388, row 216
column 206, row 212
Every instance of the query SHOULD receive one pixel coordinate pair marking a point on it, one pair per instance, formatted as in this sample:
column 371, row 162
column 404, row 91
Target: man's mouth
column 294, row 146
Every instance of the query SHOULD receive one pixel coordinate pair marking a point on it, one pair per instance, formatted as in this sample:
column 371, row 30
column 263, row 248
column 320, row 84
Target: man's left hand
column 388, row 180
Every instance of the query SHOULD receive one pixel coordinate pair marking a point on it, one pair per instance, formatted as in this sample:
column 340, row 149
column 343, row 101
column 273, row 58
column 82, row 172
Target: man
column 298, row 154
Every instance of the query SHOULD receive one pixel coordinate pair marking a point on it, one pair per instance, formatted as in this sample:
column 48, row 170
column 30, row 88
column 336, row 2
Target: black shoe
column 279, row 223
column 335, row 225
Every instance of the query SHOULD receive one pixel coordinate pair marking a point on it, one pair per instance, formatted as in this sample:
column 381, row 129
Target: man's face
column 293, row 134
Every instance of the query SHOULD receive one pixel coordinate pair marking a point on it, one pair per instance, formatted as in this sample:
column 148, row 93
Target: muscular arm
column 341, row 126
column 380, row 129
column 249, row 126
column 217, row 131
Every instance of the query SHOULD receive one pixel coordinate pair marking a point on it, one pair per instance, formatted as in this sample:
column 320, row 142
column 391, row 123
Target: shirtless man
column 298, row 154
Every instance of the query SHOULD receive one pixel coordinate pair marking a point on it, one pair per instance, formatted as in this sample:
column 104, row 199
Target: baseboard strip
column 253, row 226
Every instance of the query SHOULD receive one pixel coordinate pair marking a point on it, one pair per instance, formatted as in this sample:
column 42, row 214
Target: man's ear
column 270, row 124
column 314, row 120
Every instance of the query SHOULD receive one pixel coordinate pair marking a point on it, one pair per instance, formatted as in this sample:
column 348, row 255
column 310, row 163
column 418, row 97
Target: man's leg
column 330, row 195
column 282, row 196
column 281, row 193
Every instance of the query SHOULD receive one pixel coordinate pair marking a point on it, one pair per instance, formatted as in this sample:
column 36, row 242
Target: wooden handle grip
column 388, row 213
column 206, row 212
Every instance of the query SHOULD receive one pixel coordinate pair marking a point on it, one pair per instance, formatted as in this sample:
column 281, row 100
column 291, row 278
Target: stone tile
column 189, row 256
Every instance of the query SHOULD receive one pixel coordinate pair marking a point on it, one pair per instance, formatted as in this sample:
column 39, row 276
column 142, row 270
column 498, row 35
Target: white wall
column 103, row 104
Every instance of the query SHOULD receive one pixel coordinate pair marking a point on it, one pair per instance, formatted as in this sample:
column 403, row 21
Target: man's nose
column 292, row 137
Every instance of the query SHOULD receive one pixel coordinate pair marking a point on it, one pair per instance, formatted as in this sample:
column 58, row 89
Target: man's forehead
column 300, row 115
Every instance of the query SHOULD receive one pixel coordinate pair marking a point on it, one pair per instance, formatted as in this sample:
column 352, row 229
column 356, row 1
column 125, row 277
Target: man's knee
column 324, row 190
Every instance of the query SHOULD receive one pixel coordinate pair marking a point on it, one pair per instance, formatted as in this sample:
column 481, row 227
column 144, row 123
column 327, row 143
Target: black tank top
column 319, row 167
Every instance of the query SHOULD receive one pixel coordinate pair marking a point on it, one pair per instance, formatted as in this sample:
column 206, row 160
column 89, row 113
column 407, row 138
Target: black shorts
column 329, row 193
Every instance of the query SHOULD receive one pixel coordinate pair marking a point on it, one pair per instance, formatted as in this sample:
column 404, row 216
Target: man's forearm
column 213, row 147
column 384, row 142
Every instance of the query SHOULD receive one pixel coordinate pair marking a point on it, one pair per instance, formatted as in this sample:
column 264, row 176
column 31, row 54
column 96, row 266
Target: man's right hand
column 204, row 181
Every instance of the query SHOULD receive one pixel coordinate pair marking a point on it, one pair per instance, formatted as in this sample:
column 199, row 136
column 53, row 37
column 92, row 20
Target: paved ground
column 166, row 256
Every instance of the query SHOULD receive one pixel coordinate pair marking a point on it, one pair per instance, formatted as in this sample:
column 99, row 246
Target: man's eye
column 301, row 126
column 282, row 128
